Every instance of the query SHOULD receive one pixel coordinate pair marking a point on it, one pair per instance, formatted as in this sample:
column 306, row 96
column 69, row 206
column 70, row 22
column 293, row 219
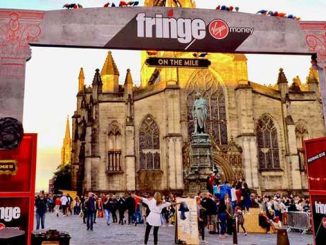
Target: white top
column 64, row 200
column 154, row 217
column 233, row 195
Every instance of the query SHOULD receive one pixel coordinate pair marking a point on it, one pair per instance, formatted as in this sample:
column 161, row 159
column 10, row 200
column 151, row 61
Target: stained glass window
column 114, row 148
column 149, row 144
column 268, row 151
column 205, row 83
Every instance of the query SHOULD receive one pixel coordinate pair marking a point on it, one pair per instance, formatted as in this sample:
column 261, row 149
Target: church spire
column 97, row 78
column 110, row 75
column 81, row 80
column 313, row 76
column 66, row 147
column 128, row 82
column 67, row 134
column 281, row 77
column 109, row 66
column 128, row 79
column 283, row 86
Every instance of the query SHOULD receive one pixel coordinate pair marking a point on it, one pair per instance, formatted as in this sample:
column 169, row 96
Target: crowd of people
column 232, row 201
column 220, row 210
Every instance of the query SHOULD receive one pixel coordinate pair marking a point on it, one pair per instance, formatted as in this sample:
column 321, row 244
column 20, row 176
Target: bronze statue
column 199, row 114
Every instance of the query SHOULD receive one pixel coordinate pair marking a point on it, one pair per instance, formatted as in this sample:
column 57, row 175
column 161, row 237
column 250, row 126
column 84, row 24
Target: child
column 238, row 215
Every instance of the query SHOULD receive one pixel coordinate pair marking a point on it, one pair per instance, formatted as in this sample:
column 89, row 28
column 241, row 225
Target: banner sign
column 318, row 203
column 8, row 167
column 178, row 62
column 315, row 154
column 187, row 221
column 315, row 150
column 17, row 186
column 176, row 29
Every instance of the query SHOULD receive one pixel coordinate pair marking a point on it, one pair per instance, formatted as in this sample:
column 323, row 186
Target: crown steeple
column 170, row 3
column 109, row 66
column 110, row 75
column 81, row 80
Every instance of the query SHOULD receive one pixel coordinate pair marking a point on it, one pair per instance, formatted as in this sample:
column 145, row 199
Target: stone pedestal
column 201, row 164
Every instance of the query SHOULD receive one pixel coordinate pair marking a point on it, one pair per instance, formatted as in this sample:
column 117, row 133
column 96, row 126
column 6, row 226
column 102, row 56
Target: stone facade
column 138, row 138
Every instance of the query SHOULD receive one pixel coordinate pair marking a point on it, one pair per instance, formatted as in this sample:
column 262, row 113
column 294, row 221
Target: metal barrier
column 299, row 221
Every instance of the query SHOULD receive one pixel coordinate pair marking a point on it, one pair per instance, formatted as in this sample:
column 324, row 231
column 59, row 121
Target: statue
column 199, row 114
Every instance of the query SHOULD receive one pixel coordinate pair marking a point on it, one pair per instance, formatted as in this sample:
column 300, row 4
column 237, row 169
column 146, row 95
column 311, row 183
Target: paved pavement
column 130, row 235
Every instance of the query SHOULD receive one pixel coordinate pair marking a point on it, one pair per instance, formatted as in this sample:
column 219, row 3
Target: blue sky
column 51, row 76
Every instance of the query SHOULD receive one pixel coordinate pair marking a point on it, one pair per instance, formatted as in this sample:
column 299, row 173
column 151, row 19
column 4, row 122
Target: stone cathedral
column 127, row 137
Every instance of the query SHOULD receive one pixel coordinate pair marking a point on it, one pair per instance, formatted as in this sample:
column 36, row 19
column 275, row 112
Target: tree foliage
column 62, row 178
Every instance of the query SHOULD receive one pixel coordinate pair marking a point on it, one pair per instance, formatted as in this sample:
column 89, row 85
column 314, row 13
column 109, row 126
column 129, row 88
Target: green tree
column 62, row 178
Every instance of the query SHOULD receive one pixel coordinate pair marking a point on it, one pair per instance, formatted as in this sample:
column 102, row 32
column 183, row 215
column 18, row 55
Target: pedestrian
column 154, row 219
column 131, row 206
column 246, row 196
column 40, row 204
column 222, row 215
column 57, row 206
column 69, row 203
column 106, row 207
column 90, row 210
column 238, row 215
column 202, row 218
column 113, row 208
column 211, row 210
column 121, row 205
column 64, row 202
column 50, row 203
column 77, row 206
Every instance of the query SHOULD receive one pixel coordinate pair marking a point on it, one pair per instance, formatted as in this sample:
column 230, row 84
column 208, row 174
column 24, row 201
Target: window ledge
column 150, row 170
column 114, row 172
column 271, row 172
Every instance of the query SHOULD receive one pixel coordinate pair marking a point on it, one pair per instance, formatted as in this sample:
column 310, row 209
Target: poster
column 315, row 150
column 187, row 221
column 17, row 186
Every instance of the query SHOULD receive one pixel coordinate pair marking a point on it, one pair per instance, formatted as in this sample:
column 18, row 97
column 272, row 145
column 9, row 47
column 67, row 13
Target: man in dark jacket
column 90, row 210
column 211, row 210
column 121, row 204
column 113, row 208
column 130, row 205
column 40, row 204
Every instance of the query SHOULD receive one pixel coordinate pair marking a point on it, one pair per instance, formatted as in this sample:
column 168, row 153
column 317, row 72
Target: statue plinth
column 201, row 164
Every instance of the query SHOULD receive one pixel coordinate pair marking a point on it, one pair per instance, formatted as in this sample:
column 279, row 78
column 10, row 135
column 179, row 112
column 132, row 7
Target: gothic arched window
column 149, row 144
column 268, row 151
column 301, row 133
column 114, row 148
column 205, row 83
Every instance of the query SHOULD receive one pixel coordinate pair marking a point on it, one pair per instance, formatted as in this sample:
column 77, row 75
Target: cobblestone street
column 129, row 234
